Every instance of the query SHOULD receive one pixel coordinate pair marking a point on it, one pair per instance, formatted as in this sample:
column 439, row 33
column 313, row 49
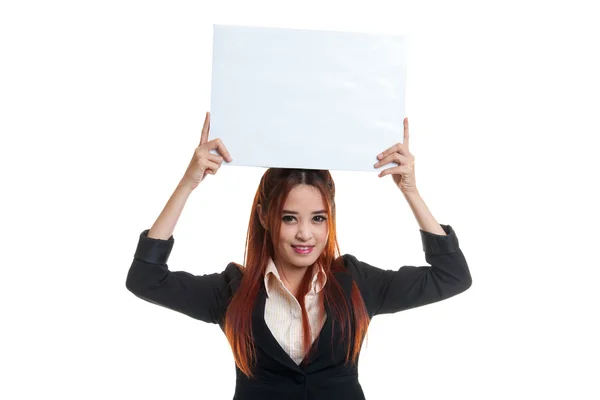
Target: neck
column 291, row 275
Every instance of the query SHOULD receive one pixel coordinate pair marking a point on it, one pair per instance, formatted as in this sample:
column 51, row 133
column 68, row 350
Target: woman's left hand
column 404, row 173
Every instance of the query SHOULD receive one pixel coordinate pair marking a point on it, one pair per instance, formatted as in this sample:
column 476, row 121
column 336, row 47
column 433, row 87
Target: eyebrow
column 295, row 212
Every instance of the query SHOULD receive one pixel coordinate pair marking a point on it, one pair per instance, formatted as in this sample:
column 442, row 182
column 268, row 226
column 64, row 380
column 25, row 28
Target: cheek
column 285, row 236
column 323, row 235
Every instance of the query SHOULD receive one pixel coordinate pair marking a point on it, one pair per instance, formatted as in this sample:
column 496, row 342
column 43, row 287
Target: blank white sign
column 296, row 98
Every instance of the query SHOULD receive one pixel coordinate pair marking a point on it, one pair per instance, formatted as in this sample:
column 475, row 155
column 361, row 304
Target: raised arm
column 203, row 297
column 203, row 162
column 390, row 291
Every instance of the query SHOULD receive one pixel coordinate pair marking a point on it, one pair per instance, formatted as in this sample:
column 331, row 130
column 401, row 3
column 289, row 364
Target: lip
column 308, row 250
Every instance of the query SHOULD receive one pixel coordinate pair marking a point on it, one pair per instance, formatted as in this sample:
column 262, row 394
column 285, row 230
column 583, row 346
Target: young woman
column 297, row 312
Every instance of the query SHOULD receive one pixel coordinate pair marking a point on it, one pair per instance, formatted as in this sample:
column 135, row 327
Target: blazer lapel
column 325, row 341
column 263, row 337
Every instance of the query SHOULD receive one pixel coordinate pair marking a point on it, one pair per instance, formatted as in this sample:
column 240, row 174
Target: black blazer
column 206, row 298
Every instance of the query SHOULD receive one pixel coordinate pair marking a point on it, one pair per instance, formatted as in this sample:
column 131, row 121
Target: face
column 303, row 223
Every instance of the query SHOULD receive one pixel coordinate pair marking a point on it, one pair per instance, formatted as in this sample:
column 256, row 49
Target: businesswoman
column 296, row 313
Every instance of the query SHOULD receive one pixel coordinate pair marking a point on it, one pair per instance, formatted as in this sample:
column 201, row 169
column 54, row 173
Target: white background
column 101, row 105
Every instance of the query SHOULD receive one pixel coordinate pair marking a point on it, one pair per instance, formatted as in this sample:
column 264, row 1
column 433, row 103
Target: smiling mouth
column 303, row 249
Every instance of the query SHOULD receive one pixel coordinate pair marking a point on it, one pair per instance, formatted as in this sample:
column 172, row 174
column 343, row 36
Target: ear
column 260, row 217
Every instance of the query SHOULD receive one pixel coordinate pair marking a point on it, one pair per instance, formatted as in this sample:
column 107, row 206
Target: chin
column 303, row 260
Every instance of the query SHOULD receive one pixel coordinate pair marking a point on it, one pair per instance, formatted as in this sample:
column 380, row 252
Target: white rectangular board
column 295, row 98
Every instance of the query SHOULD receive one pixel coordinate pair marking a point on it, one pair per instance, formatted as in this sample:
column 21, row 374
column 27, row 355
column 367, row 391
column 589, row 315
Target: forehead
column 304, row 197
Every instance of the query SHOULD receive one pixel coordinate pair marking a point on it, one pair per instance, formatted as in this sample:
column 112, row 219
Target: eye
column 317, row 216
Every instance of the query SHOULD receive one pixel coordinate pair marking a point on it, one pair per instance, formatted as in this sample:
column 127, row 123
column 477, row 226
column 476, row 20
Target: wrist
column 184, row 186
column 411, row 193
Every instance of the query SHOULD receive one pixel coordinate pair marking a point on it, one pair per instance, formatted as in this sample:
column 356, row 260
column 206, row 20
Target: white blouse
column 283, row 315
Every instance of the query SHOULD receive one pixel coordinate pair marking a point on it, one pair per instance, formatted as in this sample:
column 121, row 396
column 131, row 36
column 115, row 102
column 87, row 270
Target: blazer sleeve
column 203, row 297
column 390, row 291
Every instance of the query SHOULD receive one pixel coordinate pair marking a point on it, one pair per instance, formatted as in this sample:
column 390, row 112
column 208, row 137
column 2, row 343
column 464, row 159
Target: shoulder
column 369, row 278
column 232, row 275
column 234, row 270
column 363, row 275
column 353, row 266
column 348, row 264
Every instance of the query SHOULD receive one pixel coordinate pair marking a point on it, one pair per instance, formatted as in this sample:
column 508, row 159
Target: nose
column 303, row 233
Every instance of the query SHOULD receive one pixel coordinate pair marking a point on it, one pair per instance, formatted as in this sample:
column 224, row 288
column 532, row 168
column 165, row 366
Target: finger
column 205, row 129
column 393, row 170
column 214, row 158
column 406, row 132
column 397, row 148
column 394, row 157
column 388, row 171
column 220, row 146
column 211, row 166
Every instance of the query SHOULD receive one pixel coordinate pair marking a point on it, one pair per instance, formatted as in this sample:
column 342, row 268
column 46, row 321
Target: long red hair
column 272, row 192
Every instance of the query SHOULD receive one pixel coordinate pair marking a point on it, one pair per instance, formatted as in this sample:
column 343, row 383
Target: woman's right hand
column 203, row 161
